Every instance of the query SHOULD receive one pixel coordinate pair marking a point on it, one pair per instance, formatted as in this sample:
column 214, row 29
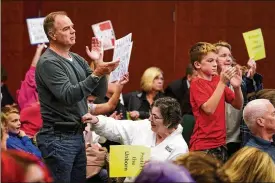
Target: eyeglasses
column 154, row 117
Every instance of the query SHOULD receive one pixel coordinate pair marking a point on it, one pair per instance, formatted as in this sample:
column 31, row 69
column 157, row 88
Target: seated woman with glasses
column 161, row 132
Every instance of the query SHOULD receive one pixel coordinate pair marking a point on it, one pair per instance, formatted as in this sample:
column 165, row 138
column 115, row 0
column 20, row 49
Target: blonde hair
column 148, row 77
column 7, row 110
column 202, row 167
column 199, row 50
column 223, row 44
column 250, row 164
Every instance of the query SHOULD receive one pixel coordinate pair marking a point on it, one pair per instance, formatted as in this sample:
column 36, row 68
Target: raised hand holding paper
column 105, row 33
column 36, row 31
column 255, row 44
column 127, row 160
column 122, row 51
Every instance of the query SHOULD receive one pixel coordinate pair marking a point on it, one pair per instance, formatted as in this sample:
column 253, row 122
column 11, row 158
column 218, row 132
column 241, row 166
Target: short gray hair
column 253, row 110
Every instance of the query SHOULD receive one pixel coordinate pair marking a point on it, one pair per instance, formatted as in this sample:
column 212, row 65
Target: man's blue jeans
column 64, row 154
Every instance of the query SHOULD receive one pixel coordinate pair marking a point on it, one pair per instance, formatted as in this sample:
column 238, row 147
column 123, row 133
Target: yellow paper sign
column 127, row 160
column 255, row 44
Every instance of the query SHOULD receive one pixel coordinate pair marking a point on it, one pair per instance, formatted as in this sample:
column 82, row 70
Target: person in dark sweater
column 179, row 90
column 64, row 80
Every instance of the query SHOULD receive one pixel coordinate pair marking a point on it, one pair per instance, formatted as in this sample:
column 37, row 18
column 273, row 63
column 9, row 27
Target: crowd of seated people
column 231, row 139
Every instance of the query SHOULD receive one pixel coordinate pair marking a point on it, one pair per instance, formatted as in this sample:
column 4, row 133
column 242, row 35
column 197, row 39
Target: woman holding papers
column 161, row 132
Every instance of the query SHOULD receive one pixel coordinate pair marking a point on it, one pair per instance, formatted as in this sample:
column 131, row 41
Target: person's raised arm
column 112, row 103
column 115, row 130
column 27, row 93
column 37, row 54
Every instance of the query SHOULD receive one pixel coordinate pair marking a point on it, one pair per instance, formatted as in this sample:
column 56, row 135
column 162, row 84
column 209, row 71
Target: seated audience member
column 250, row 165
column 19, row 166
column 138, row 103
column 268, row 94
column 163, row 172
column 208, row 94
column 27, row 94
column 236, row 131
column 202, row 167
column 259, row 115
column 111, row 104
column 17, row 138
column 6, row 98
column 161, row 133
column 179, row 90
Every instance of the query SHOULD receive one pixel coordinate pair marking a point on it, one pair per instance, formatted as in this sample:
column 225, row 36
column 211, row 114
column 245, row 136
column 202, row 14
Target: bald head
column 254, row 110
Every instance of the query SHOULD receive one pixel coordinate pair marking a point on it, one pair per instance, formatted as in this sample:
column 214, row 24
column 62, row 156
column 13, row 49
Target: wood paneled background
column 163, row 32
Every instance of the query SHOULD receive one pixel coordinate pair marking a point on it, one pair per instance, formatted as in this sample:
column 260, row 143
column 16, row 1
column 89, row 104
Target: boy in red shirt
column 208, row 94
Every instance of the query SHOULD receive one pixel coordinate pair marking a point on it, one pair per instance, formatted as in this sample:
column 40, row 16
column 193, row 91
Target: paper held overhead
column 36, row 30
column 122, row 52
column 255, row 44
column 105, row 33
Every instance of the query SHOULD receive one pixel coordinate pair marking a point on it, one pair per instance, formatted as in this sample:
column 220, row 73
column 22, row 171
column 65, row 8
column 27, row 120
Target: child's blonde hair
column 7, row 110
column 199, row 50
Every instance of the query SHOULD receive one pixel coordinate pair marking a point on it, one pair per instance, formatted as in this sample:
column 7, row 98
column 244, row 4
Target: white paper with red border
column 105, row 33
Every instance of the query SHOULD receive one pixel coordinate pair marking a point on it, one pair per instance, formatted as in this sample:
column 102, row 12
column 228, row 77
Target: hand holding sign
column 127, row 160
column 122, row 51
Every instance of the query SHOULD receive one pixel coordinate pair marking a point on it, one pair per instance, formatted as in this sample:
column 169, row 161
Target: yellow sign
column 255, row 44
column 127, row 160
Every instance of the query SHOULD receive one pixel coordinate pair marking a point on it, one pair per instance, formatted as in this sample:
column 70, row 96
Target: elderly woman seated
column 161, row 132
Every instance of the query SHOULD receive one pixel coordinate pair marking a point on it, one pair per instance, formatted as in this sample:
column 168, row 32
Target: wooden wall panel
column 158, row 40
column 12, row 41
column 225, row 20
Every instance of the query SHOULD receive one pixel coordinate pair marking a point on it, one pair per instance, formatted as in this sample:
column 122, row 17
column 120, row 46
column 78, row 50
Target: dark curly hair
column 170, row 110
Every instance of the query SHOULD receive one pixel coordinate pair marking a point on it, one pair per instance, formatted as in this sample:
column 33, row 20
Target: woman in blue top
column 17, row 138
